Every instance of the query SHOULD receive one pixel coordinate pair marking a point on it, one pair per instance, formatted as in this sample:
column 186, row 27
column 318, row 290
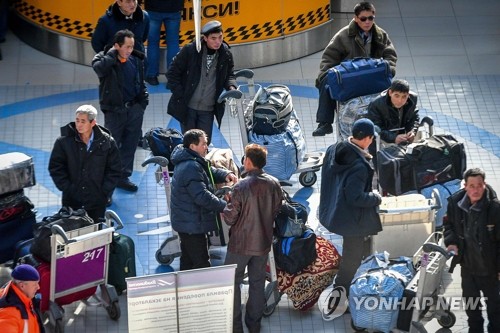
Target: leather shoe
column 127, row 185
column 152, row 80
column 323, row 129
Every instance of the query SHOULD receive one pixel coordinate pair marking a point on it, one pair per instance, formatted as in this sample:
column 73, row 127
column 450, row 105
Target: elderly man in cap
column 196, row 80
column 19, row 310
column 348, row 206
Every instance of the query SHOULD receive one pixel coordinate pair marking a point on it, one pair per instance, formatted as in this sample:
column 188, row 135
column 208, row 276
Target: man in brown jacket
column 251, row 209
column 361, row 38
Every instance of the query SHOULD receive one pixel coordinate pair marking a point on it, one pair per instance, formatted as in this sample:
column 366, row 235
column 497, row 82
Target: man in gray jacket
column 361, row 38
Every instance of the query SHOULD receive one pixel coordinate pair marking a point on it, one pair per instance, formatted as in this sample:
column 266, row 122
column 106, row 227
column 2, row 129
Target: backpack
column 67, row 218
column 162, row 141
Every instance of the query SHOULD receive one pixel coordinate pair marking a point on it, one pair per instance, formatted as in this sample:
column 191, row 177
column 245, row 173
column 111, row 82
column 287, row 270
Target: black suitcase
column 15, row 230
column 436, row 160
column 406, row 309
column 121, row 261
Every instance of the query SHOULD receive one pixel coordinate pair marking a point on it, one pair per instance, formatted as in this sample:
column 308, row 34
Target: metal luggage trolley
column 430, row 259
column 247, row 94
column 79, row 260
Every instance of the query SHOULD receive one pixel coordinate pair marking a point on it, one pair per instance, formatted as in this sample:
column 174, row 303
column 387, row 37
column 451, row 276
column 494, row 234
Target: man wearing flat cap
column 348, row 206
column 19, row 310
column 196, row 79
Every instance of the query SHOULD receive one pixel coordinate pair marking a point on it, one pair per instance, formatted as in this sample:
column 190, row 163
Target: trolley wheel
column 114, row 311
column 59, row 326
column 356, row 328
column 163, row 259
column 269, row 291
column 447, row 320
column 307, row 178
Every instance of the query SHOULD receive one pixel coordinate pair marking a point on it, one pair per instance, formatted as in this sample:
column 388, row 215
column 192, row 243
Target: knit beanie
column 25, row 273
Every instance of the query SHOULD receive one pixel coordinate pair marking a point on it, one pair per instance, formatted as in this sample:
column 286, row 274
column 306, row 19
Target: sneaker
column 127, row 185
column 323, row 129
column 153, row 80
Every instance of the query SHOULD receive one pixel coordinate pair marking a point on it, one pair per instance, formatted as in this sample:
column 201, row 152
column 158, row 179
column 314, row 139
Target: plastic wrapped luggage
column 284, row 151
column 350, row 111
column 17, row 171
column 358, row 77
column 13, row 231
column 272, row 110
column 13, row 204
column 436, row 160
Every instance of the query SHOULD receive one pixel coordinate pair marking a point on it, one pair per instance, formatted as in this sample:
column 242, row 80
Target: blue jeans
column 172, row 22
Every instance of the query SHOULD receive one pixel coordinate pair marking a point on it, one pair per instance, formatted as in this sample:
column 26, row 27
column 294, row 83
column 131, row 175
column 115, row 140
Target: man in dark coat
column 472, row 231
column 85, row 163
column 196, row 80
column 348, row 206
column 123, row 14
column 361, row 38
column 123, row 98
column 194, row 208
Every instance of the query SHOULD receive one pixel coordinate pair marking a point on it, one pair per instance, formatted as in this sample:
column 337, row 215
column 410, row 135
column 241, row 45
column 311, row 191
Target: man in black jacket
column 472, row 231
column 196, row 80
column 85, row 163
column 123, row 98
column 348, row 206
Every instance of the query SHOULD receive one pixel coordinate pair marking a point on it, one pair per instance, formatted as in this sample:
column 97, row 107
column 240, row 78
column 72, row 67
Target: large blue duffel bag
column 358, row 77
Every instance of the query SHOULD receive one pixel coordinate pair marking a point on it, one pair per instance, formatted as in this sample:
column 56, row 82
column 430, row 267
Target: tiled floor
column 448, row 50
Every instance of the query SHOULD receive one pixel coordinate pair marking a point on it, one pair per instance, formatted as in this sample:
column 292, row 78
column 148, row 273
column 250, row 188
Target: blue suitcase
column 358, row 77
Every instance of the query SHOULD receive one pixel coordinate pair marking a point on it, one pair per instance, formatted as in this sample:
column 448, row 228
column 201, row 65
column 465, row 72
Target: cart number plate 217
column 93, row 254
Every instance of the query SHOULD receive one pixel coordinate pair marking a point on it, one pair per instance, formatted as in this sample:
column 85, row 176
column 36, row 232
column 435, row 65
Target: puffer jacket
column 194, row 208
column 111, row 81
column 86, row 178
column 348, row 206
column 15, row 312
column 348, row 44
column 113, row 21
column 255, row 202
column 185, row 73
column 490, row 241
column 386, row 116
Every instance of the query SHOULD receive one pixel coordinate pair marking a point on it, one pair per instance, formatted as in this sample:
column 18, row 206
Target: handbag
column 291, row 219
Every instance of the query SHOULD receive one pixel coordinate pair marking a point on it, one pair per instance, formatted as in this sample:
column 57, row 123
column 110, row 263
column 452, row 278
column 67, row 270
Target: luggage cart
column 170, row 248
column 83, row 251
column 430, row 259
column 247, row 94
column 407, row 221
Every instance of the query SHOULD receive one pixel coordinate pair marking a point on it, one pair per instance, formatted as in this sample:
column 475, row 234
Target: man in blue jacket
column 196, row 80
column 348, row 206
column 194, row 207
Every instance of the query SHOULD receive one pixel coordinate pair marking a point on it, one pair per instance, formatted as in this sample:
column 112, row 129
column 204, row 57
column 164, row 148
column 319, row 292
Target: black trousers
column 354, row 250
column 472, row 285
column 194, row 251
column 326, row 105
column 203, row 120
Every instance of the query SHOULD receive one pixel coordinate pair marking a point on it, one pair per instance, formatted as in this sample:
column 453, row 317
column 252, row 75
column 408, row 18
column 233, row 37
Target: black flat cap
column 212, row 26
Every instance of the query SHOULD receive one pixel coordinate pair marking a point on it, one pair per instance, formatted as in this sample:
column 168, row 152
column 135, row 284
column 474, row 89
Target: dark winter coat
column 348, row 206
column 86, row 178
column 348, row 44
column 184, row 75
column 111, row 80
column 386, row 116
column 164, row 6
column 113, row 21
column 490, row 241
column 255, row 202
column 194, row 206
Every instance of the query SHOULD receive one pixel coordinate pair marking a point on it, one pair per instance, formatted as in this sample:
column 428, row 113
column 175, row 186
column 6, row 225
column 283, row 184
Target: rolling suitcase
column 17, row 171
column 358, row 77
column 11, row 232
column 121, row 261
column 44, row 271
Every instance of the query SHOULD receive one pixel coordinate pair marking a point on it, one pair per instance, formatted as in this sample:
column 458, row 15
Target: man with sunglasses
column 361, row 38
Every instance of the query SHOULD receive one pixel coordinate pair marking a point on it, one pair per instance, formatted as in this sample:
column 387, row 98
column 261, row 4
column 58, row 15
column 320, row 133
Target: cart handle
column 57, row 229
column 111, row 216
column 160, row 160
column 246, row 73
column 236, row 94
column 432, row 247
